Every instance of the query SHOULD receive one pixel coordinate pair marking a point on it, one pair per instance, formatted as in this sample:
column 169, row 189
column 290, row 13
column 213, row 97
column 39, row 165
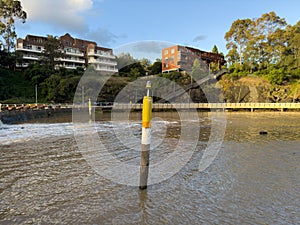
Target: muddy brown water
column 255, row 179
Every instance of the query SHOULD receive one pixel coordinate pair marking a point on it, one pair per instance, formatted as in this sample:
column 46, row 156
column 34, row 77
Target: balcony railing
column 75, row 53
column 98, row 54
column 31, row 57
column 104, row 62
column 72, row 60
column 113, row 70
column 27, row 49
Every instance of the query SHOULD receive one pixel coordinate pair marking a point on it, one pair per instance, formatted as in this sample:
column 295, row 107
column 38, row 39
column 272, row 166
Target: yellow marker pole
column 146, row 138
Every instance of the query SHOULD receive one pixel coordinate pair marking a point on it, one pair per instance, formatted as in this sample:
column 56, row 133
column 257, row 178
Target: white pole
column 36, row 94
column 146, row 138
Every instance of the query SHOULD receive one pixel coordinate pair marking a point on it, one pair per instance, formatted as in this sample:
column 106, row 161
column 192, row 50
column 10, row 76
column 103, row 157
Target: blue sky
column 114, row 23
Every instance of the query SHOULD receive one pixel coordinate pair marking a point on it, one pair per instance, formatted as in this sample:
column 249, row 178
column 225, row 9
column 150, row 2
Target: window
column 172, row 51
column 166, row 52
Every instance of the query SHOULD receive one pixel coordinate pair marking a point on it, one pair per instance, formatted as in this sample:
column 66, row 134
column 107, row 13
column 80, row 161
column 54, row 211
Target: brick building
column 181, row 58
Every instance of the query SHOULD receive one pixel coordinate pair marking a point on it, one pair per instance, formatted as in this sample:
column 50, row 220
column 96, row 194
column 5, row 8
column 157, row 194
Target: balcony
column 107, row 70
column 74, row 53
column 100, row 54
column 72, row 60
column 104, row 62
column 110, row 69
column 28, row 49
column 73, row 67
column 31, row 57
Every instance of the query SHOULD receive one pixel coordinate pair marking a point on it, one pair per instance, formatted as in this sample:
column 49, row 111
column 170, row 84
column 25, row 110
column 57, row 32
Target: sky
column 147, row 25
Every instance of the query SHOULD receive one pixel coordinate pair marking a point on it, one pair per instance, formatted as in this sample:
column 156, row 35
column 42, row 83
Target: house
column 77, row 53
column 181, row 58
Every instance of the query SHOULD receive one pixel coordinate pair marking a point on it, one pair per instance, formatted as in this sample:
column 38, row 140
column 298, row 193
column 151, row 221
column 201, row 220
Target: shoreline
column 19, row 117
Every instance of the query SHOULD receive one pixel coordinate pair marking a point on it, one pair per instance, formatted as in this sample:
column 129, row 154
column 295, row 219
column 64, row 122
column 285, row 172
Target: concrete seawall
column 15, row 117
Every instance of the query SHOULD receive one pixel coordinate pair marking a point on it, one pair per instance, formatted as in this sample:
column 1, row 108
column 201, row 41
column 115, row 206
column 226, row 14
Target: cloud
column 68, row 16
column 103, row 36
column 144, row 49
column 60, row 14
column 150, row 46
column 199, row 38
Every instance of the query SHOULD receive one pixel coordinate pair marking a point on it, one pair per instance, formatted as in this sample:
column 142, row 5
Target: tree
column 232, row 56
column 145, row 63
column 215, row 50
column 291, row 54
column 133, row 70
column 52, row 52
column 257, row 42
column 125, row 59
column 238, row 36
column 156, row 68
column 269, row 37
column 37, row 73
column 9, row 11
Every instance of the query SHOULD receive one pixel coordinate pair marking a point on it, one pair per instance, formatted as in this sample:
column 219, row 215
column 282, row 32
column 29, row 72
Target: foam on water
column 26, row 132
column 32, row 131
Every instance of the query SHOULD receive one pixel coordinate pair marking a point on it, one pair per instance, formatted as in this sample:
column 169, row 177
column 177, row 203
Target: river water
column 255, row 179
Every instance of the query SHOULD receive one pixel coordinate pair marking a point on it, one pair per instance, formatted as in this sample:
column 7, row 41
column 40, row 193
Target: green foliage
column 291, row 54
column 132, row 70
column 9, row 11
column 145, row 63
column 238, row 37
column 57, row 86
column 7, row 59
column 52, row 51
column 60, row 86
column 37, row 73
column 125, row 59
column 260, row 40
column 215, row 50
column 265, row 46
column 59, row 89
column 14, row 85
column 173, row 76
column 156, row 68
column 274, row 75
column 130, row 67
column 295, row 73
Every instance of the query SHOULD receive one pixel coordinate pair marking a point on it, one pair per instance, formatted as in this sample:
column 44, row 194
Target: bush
column 276, row 76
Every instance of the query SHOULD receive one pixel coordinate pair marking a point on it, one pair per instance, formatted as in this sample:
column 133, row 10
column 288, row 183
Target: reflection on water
column 254, row 180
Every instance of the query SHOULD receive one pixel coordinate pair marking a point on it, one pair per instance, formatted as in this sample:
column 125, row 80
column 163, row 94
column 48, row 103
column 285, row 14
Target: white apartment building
column 77, row 53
